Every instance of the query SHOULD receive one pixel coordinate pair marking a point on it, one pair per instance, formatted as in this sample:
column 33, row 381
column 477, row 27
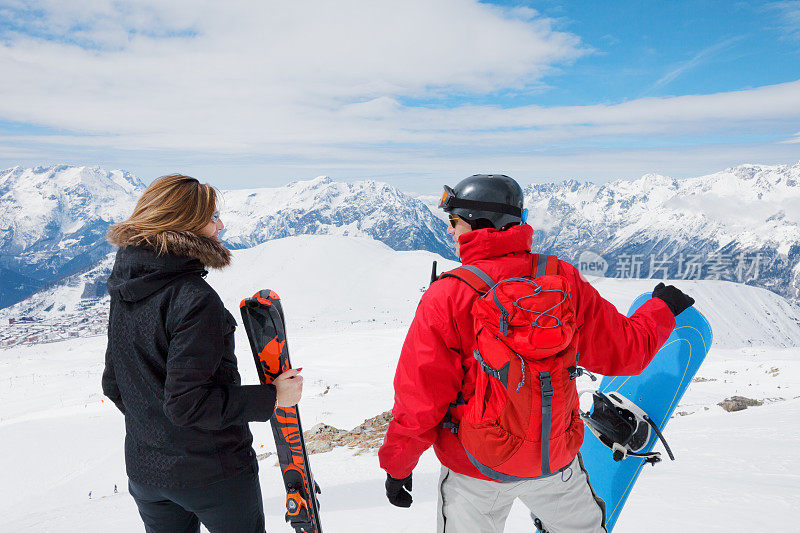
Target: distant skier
column 115, row 489
column 171, row 370
column 90, row 495
column 440, row 363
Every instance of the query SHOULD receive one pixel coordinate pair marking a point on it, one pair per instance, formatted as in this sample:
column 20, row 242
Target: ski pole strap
column 547, row 410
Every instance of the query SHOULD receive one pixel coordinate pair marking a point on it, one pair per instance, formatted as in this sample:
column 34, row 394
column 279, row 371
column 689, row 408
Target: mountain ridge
column 729, row 220
column 53, row 220
column 740, row 224
column 344, row 293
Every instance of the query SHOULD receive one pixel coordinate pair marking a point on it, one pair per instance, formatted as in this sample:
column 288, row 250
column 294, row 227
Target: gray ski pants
column 564, row 502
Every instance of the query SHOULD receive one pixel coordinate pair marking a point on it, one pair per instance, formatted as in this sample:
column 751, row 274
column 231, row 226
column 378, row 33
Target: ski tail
column 262, row 315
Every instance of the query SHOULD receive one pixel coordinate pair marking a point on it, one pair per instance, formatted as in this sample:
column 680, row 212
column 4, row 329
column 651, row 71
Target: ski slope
column 348, row 302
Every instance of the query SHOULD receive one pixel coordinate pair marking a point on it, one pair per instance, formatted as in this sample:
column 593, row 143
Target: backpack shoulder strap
column 544, row 265
column 473, row 276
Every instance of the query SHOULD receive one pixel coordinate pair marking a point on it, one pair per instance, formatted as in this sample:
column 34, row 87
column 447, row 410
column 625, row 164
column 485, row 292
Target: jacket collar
column 208, row 250
column 489, row 243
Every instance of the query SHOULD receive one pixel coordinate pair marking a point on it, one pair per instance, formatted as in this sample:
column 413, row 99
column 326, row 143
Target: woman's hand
column 289, row 387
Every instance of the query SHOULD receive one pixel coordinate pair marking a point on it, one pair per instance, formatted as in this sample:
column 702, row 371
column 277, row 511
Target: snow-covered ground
column 348, row 302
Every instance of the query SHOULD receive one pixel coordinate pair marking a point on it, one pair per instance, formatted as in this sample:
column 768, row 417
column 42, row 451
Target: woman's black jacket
column 171, row 370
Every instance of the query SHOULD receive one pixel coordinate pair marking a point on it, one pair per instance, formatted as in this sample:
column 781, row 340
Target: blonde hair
column 173, row 203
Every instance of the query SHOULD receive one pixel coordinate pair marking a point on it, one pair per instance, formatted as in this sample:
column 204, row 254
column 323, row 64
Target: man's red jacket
column 436, row 361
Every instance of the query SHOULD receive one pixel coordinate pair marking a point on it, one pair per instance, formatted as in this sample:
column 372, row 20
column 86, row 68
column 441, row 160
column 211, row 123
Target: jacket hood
column 488, row 243
column 139, row 271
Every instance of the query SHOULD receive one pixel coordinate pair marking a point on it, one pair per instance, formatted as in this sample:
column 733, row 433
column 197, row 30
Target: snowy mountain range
column 53, row 220
column 342, row 294
column 323, row 206
column 741, row 224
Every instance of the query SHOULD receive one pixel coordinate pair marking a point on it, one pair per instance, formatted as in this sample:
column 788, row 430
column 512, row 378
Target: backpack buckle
column 547, row 392
column 546, row 384
column 499, row 374
column 576, row 371
column 447, row 422
column 451, row 426
column 486, row 368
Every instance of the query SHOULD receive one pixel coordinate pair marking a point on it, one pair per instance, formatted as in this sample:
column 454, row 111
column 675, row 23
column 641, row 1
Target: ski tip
column 264, row 296
column 255, row 298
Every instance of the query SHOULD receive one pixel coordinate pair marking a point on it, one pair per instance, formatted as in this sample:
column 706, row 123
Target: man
column 437, row 369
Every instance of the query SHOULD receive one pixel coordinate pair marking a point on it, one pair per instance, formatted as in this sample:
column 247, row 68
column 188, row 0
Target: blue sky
column 653, row 48
column 414, row 93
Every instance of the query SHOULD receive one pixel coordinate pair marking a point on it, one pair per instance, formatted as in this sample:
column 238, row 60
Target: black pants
column 232, row 505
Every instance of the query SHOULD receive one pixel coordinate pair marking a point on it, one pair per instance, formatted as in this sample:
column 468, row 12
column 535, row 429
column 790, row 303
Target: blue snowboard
column 657, row 391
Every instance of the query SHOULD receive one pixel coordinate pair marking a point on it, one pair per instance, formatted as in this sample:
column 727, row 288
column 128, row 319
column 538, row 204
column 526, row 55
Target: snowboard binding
column 623, row 426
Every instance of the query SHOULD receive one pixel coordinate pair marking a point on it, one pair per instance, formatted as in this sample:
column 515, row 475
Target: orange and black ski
column 263, row 320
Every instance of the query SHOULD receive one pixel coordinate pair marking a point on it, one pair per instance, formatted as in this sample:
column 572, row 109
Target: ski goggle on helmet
column 493, row 197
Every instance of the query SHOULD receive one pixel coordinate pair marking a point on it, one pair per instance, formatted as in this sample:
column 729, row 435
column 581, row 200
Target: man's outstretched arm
column 611, row 343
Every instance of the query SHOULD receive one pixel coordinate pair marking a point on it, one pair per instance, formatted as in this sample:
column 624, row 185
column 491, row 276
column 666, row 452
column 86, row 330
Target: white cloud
column 789, row 13
column 704, row 55
column 287, row 51
column 321, row 84
column 183, row 74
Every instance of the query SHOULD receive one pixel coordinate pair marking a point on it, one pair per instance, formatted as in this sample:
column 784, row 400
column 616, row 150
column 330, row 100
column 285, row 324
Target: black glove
column 398, row 491
column 677, row 301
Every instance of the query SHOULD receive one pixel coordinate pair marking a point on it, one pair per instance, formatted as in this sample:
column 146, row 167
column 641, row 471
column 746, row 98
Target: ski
column 262, row 316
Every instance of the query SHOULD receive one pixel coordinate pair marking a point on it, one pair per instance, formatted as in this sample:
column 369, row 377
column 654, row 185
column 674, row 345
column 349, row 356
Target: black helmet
column 493, row 197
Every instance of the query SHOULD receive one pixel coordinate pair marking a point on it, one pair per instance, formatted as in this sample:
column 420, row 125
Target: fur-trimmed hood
column 208, row 250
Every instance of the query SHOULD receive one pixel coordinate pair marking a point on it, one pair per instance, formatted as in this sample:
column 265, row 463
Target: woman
column 171, row 370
